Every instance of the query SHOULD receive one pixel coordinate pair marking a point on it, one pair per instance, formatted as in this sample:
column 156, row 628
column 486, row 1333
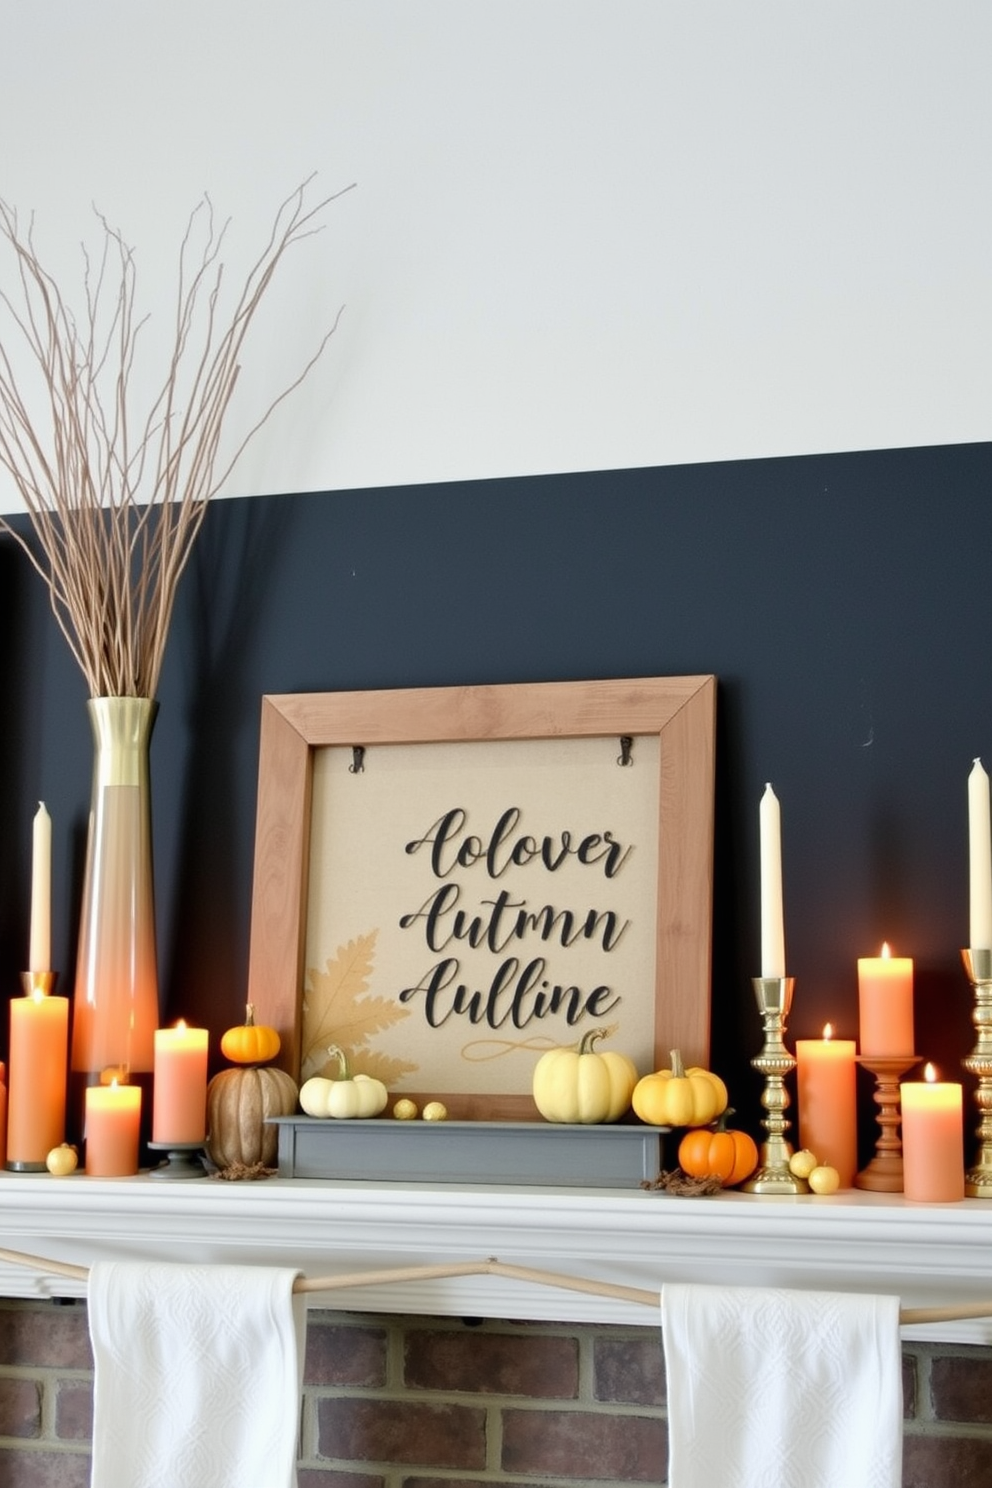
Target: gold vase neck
column 122, row 729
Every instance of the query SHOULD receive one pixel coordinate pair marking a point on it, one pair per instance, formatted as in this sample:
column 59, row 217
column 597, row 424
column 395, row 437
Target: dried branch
column 115, row 504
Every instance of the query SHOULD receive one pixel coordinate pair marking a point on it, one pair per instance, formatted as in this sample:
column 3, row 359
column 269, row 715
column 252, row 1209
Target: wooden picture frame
column 678, row 711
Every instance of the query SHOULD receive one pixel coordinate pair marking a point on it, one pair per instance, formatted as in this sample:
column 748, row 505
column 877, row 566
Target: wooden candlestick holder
column 884, row 1173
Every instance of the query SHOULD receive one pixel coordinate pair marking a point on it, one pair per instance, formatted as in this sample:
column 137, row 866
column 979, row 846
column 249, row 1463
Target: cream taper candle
column 979, row 858
column 40, row 948
column 772, row 915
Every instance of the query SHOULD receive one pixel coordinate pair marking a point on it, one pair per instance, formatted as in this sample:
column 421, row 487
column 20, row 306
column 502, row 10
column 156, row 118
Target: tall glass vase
column 115, row 999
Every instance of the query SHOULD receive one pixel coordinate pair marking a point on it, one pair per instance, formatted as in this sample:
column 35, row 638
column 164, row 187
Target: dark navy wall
column 843, row 601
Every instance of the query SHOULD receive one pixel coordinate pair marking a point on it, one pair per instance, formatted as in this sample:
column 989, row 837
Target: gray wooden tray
column 532, row 1152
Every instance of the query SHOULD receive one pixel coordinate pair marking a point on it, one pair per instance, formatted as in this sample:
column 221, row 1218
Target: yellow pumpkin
column 239, row 1101
column 680, row 1096
column 583, row 1086
column 347, row 1097
column 250, row 1042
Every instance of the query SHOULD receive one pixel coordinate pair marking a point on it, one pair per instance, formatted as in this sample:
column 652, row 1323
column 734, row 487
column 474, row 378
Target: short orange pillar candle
column 885, row 1001
column 932, row 1139
column 179, row 1103
column 113, row 1121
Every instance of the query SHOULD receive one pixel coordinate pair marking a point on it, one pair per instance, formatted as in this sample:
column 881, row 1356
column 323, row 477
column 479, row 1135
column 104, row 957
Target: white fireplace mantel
column 930, row 1255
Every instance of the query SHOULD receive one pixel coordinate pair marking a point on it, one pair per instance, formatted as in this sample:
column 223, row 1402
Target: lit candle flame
column 886, row 953
column 930, row 1074
column 828, row 1031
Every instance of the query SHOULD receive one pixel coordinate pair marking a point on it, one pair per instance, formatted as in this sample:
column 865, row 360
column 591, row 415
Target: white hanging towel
column 198, row 1375
column 782, row 1389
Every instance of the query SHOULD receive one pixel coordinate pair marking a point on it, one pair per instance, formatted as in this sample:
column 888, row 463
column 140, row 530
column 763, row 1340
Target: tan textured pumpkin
column 238, row 1103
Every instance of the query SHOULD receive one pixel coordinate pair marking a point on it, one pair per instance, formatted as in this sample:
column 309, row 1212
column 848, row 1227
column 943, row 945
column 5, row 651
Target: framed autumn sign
column 449, row 881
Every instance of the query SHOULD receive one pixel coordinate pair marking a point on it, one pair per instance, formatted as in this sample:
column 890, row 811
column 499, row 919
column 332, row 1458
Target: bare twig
column 115, row 504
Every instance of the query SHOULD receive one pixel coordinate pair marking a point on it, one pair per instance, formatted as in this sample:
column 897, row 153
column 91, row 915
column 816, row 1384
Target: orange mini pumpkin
column 250, row 1042
column 718, row 1152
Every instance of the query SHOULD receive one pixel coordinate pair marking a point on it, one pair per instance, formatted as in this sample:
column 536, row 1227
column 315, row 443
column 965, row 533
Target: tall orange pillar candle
column 885, row 1003
column 179, row 1105
column 3, row 1115
column 113, row 1121
column 827, row 1095
column 39, row 1052
column 932, row 1140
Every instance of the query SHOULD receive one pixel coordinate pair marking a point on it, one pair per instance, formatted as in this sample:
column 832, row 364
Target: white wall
column 585, row 234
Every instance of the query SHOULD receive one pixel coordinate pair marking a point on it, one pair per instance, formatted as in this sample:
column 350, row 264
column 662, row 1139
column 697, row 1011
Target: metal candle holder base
column 183, row 1160
column 978, row 965
column 884, row 1173
column 774, row 998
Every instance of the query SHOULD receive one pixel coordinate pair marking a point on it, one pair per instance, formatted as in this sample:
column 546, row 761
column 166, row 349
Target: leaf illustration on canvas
column 338, row 1008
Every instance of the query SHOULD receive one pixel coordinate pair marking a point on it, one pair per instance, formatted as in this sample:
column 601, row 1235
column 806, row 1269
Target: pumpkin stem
column 250, row 1015
column 678, row 1068
column 590, row 1038
column 336, row 1052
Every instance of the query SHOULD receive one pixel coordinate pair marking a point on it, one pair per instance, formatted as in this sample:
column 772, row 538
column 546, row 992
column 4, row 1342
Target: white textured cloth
column 782, row 1389
column 198, row 1375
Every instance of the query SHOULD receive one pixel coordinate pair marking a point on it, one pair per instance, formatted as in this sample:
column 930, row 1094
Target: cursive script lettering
column 451, row 847
column 514, row 996
column 504, row 920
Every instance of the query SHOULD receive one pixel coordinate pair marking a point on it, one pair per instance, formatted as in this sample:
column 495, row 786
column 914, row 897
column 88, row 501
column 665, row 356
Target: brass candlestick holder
column 884, row 1173
column 774, row 998
column 978, row 965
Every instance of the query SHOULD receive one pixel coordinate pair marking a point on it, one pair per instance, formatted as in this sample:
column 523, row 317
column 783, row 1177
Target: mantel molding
column 931, row 1255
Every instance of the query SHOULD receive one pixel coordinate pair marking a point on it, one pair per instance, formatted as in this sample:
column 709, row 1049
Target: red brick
column 961, row 1388
column 457, row 1483
column 629, row 1371
column 946, row 1462
column 329, row 1477
column 74, row 1410
column 910, row 1387
column 339, row 1355
column 585, row 1444
column 20, row 1407
column 45, row 1335
column 537, row 1366
column 44, row 1469
column 397, row 1431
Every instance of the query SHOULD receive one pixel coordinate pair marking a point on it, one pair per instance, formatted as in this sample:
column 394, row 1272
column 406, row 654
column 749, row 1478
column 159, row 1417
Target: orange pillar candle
column 932, row 1140
column 39, row 1051
column 179, row 1106
column 113, row 1120
column 885, row 1001
column 827, row 1094
column 3, row 1114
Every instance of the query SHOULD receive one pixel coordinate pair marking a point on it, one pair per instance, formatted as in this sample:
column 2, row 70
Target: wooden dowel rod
column 56, row 1268
column 908, row 1316
column 387, row 1277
